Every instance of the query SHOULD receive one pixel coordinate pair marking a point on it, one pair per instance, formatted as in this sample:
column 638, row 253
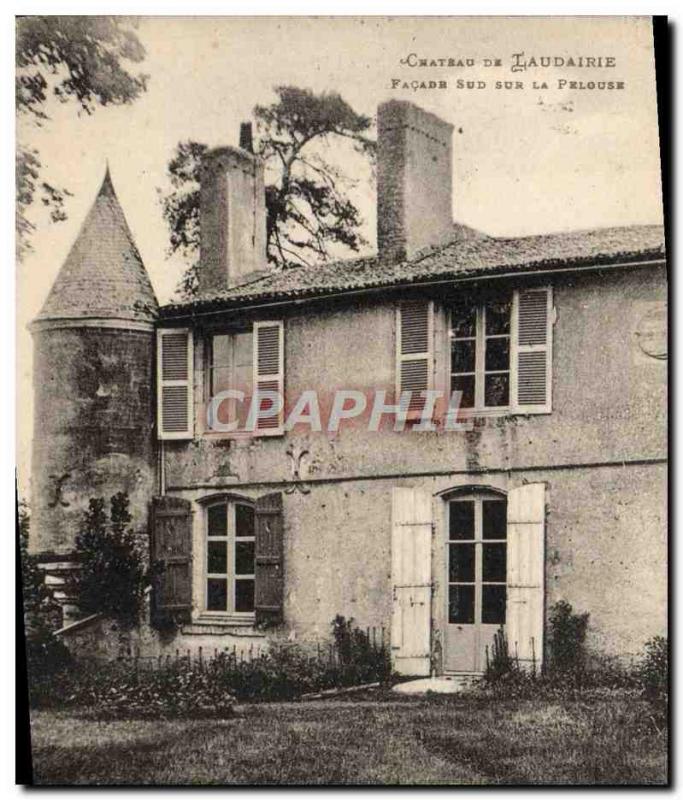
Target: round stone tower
column 93, row 377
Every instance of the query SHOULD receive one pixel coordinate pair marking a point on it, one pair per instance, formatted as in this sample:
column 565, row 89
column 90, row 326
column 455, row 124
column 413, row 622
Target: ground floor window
column 230, row 557
column 477, row 560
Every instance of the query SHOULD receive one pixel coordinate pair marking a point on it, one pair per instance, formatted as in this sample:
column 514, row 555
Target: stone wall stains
column 93, row 428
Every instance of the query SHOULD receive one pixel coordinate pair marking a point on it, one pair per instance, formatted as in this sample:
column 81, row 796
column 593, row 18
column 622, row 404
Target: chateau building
column 366, row 492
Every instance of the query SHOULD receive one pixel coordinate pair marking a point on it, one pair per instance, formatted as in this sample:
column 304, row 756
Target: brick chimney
column 414, row 180
column 232, row 217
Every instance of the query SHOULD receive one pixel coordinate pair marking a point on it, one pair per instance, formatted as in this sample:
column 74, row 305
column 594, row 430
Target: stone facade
column 600, row 451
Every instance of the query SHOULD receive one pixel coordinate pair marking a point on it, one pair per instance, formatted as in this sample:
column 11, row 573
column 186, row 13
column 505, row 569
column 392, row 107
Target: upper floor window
column 495, row 349
column 238, row 365
column 231, row 366
column 480, row 353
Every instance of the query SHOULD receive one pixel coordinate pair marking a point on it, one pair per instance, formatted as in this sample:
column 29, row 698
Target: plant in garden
column 567, row 639
column 112, row 575
column 653, row 673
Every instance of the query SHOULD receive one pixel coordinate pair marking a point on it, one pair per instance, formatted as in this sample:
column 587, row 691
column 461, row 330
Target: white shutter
column 411, row 575
column 269, row 371
column 414, row 352
column 175, row 409
column 532, row 351
column 525, row 573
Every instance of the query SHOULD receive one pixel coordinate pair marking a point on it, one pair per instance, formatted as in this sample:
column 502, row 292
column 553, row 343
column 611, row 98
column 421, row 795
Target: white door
column 411, row 575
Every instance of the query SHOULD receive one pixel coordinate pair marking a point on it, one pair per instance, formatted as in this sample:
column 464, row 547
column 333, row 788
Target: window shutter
column 175, row 411
column 411, row 577
column 414, row 357
column 172, row 558
column 525, row 573
column 269, row 590
column 269, row 372
column 532, row 347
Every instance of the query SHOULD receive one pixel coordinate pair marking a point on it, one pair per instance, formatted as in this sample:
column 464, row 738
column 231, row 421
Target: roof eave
column 296, row 297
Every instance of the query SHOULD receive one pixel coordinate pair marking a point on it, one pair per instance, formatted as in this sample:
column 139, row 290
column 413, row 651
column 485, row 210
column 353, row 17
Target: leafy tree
column 111, row 578
column 73, row 59
column 308, row 210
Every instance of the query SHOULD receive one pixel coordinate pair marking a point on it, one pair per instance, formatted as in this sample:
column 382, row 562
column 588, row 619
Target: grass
column 381, row 738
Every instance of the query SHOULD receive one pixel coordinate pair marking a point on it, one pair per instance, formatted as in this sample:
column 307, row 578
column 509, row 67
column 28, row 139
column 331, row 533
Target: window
column 477, row 560
column 501, row 351
column 231, row 366
column 480, row 353
column 246, row 361
column 229, row 561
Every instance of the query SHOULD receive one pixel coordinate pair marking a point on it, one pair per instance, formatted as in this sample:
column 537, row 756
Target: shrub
column 360, row 661
column 567, row 640
column 112, row 576
column 499, row 663
column 653, row 674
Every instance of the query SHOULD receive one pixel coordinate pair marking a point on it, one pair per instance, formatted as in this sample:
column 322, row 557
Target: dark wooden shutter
column 269, row 559
column 414, row 367
column 172, row 558
column 174, row 384
column 533, row 352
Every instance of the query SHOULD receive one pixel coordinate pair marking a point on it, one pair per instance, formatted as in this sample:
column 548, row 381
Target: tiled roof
column 470, row 253
column 103, row 276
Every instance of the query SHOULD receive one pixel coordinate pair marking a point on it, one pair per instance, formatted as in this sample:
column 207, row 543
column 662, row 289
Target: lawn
column 377, row 739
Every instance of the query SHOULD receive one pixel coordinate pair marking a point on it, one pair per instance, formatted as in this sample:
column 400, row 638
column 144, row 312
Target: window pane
column 461, row 519
column 462, row 356
column 498, row 316
column 217, row 557
column 220, row 350
column 244, row 558
column 497, row 390
column 493, row 605
column 494, row 562
column 498, row 354
column 461, row 605
column 221, row 379
column 244, row 595
column 217, row 594
column 494, row 519
column 242, row 379
column 218, row 520
column 243, row 343
column 464, row 384
column 461, row 562
column 463, row 321
column 244, row 520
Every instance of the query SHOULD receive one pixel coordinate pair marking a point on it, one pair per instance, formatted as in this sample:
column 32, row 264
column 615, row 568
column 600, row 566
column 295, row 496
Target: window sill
column 222, row 625
column 506, row 411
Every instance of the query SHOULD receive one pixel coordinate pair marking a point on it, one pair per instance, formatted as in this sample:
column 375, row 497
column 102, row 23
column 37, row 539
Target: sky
column 530, row 160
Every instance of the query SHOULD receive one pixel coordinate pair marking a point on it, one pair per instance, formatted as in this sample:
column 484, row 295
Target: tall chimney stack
column 414, row 180
column 246, row 137
column 232, row 217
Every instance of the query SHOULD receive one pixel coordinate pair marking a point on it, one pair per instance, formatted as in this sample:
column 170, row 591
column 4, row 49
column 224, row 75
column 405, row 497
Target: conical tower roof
column 103, row 277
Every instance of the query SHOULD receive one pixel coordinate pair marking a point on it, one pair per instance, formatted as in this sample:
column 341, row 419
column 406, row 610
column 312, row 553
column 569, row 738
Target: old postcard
column 342, row 419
